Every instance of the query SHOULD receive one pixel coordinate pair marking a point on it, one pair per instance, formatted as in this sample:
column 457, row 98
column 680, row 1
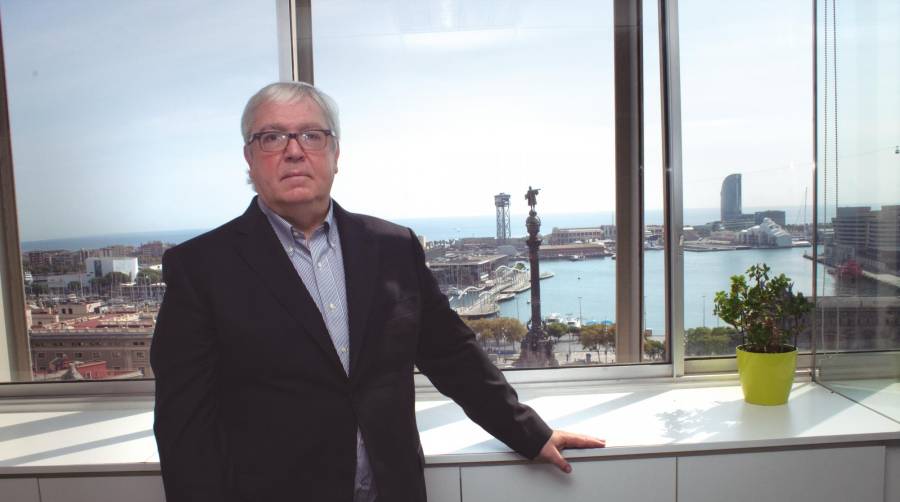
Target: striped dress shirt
column 320, row 265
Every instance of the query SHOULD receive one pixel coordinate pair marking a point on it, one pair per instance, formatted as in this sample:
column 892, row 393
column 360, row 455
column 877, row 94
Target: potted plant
column 768, row 315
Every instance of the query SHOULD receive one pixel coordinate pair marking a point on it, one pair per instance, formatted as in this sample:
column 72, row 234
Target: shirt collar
column 285, row 231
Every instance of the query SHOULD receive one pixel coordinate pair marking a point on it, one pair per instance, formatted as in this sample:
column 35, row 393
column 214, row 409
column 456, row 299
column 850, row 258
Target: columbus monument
column 537, row 348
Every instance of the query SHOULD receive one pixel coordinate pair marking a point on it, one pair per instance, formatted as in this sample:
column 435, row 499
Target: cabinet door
column 638, row 480
column 816, row 475
column 442, row 484
column 103, row 489
column 892, row 473
column 19, row 489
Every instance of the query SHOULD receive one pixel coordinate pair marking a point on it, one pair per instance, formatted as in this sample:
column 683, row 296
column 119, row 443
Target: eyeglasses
column 277, row 141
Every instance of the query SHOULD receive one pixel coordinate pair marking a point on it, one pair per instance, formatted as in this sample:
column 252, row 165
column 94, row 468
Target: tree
column 703, row 341
column 484, row 331
column 557, row 329
column 149, row 275
column 114, row 279
column 510, row 330
column 73, row 286
column 654, row 349
column 599, row 335
column 39, row 288
column 500, row 330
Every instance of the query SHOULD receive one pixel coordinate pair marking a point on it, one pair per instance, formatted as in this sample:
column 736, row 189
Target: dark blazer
column 252, row 403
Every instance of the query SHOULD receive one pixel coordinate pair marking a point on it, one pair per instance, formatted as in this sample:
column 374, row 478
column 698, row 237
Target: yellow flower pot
column 766, row 378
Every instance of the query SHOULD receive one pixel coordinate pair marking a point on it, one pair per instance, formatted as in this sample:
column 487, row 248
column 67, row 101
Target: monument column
column 537, row 348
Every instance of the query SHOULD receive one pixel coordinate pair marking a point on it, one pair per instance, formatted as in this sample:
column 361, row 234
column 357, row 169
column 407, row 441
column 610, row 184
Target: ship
column 849, row 270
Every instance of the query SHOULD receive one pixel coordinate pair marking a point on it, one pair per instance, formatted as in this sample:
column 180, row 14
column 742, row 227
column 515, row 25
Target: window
column 557, row 58
column 143, row 99
column 858, row 183
column 748, row 185
column 477, row 102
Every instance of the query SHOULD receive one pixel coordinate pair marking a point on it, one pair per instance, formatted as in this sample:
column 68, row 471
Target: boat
column 573, row 322
column 546, row 275
column 504, row 297
column 850, row 269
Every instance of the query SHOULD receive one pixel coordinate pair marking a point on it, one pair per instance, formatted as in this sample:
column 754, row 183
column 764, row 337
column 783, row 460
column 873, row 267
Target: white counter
column 658, row 420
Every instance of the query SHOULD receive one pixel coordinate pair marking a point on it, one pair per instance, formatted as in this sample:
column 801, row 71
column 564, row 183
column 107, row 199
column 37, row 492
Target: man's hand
column 560, row 440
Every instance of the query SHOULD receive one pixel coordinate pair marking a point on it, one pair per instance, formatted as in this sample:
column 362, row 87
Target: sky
column 125, row 115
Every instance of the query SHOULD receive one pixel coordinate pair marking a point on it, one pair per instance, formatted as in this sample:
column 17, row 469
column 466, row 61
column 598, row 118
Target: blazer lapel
column 260, row 248
column 360, row 252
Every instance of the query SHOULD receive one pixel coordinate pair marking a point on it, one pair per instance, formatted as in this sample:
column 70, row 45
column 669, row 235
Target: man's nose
column 293, row 150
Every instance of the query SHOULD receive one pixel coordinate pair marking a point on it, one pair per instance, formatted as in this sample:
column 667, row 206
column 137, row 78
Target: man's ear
column 248, row 155
column 337, row 155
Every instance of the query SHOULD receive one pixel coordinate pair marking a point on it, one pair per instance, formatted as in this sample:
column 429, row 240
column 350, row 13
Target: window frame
column 294, row 32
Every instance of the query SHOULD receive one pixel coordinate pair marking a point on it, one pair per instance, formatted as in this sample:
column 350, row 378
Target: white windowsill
column 659, row 419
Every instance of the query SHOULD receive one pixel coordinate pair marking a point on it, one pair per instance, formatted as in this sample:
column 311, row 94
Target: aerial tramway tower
column 501, row 201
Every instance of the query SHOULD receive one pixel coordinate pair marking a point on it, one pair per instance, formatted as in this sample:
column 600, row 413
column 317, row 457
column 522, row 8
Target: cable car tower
column 501, row 201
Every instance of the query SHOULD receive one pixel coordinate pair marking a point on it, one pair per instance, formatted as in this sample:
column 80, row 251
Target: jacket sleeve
column 450, row 357
column 184, row 359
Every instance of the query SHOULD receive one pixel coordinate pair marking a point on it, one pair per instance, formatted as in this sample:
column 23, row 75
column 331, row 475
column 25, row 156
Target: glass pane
column 746, row 110
column 858, row 314
column 445, row 107
column 126, row 139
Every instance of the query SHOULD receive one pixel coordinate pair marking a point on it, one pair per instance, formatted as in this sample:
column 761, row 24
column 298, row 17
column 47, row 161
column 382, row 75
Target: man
column 285, row 346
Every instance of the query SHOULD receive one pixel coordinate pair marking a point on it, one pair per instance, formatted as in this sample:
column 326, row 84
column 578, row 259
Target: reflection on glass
column 858, row 311
column 125, row 118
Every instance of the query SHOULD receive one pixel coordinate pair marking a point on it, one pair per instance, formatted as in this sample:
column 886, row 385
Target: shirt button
column 321, row 265
column 331, row 306
column 343, row 349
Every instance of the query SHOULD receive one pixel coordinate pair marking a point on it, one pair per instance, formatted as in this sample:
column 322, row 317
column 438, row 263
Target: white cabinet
column 892, row 474
column 442, row 484
column 103, row 489
column 19, row 490
column 815, row 475
column 639, row 480
column 857, row 474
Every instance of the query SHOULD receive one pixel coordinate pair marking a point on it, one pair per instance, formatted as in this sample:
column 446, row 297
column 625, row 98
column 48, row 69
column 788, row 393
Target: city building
column 57, row 260
column 869, row 237
column 777, row 216
column 857, row 323
column 57, row 315
column 124, row 344
column 467, row 270
column 766, row 234
column 60, row 281
column 739, row 222
column 153, row 249
column 572, row 251
column 730, row 198
column 99, row 267
column 560, row 236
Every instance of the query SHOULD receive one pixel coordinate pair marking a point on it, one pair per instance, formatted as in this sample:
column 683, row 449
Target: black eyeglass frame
column 292, row 135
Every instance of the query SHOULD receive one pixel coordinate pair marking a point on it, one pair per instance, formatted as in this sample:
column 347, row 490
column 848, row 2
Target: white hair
column 290, row 92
